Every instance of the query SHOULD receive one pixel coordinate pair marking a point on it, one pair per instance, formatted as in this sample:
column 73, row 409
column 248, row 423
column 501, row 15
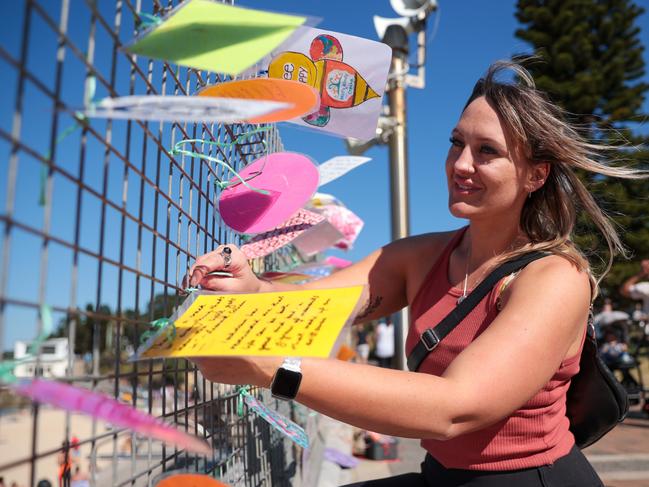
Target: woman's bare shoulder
column 425, row 246
column 418, row 254
column 554, row 276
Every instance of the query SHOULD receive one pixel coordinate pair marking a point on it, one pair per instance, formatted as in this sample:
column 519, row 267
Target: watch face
column 286, row 383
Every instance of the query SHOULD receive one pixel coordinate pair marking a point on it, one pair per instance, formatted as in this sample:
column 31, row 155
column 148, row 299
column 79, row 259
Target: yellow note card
column 305, row 323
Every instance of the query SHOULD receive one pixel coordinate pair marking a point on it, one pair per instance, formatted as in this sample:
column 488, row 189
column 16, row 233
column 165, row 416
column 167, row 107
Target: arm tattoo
column 372, row 303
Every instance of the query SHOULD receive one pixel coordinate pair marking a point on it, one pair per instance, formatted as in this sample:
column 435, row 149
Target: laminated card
column 304, row 323
column 209, row 35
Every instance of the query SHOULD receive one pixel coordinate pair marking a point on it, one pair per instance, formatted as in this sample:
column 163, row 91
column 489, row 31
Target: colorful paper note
column 289, row 178
column 302, row 98
column 316, row 270
column 341, row 458
column 100, row 406
column 188, row 480
column 321, row 199
column 279, row 422
column 345, row 221
column 184, row 108
column 317, row 239
column 267, row 242
column 349, row 73
column 305, row 323
column 337, row 262
column 339, row 166
column 209, row 35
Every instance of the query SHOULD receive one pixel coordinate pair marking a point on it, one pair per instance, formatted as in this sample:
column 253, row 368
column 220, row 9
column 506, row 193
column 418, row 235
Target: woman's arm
column 625, row 289
column 384, row 272
column 542, row 322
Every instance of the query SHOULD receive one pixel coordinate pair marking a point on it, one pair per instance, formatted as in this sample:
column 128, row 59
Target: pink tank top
column 536, row 434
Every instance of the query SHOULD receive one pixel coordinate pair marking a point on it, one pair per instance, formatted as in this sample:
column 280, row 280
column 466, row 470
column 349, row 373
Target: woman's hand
column 226, row 258
column 257, row 371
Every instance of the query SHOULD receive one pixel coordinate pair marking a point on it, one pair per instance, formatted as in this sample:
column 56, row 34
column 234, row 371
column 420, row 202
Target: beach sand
column 16, row 443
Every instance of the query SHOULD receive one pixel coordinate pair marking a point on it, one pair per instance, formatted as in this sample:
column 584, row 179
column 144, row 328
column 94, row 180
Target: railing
column 100, row 221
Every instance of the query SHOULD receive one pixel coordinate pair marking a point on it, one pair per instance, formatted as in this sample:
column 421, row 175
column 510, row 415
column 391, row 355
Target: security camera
column 381, row 24
column 356, row 147
column 384, row 129
column 413, row 8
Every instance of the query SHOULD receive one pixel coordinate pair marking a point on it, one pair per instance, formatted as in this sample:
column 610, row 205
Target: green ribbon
column 243, row 391
column 148, row 20
column 177, row 149
column 157, row 325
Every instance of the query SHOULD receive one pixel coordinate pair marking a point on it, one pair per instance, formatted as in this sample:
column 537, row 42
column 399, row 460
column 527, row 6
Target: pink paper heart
column 290, row 178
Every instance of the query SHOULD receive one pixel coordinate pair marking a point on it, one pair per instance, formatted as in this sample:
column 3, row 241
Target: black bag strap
column 431, row 337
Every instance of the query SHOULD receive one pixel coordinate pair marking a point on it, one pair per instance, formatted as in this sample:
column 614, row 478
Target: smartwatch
column 286, row 381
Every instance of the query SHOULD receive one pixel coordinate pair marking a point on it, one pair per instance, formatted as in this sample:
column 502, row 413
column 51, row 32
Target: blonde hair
column 540, row 129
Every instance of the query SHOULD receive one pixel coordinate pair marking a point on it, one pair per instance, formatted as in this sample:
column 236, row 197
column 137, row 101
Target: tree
column 590, row 62
column 95, row 321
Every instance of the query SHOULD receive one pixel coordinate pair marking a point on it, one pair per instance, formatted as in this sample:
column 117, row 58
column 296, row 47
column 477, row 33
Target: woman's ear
column 538, row 175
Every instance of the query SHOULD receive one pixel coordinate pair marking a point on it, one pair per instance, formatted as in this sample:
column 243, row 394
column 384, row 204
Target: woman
column 490, row 403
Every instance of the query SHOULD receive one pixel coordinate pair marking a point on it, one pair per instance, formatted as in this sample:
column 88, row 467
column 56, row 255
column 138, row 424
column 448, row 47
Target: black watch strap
column 431, row 337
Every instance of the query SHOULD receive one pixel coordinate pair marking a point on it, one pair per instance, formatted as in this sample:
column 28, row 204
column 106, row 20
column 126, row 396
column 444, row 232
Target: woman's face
column 486, row 178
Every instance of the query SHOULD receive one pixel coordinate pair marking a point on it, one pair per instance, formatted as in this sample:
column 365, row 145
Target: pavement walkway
column 621, row 458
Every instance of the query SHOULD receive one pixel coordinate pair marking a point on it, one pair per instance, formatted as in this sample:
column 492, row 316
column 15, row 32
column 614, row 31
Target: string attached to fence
column 289, row 259
column 242, row 392
column 147, row 20
column 277, row 421
column 47, row 326
column 177, row 149
column 156, row 326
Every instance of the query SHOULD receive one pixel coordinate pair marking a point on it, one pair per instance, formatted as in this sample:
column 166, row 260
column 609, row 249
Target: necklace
column 466, row 274
column 466, row 278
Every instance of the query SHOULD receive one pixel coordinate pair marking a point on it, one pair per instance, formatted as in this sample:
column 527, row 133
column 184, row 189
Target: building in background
column 52, row 361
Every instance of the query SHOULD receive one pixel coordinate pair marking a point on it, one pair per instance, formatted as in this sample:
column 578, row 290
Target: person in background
column 64, row 460
column 608, row 316
column 489, row 401
column 613, row 351
column 385, row 343
column 79, row 478
column 362, row 345
column 637, row 286
column 638, row 313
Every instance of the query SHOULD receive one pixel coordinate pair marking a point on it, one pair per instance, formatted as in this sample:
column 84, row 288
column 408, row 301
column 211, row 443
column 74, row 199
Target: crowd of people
column 374, row 342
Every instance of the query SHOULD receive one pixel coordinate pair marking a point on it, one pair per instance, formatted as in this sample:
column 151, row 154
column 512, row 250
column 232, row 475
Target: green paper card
column 203, row 34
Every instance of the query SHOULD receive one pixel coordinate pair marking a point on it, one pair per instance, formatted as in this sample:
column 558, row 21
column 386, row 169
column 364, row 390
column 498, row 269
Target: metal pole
column 397, row 38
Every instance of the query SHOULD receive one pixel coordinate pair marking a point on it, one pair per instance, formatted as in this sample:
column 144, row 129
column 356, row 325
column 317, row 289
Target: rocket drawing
column 339, row 84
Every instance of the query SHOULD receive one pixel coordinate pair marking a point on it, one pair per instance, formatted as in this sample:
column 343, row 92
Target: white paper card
column 339, row 166
column 183, row 108
column 316, row 239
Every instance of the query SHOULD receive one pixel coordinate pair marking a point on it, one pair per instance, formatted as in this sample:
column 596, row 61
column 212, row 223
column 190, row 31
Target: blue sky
column 470, row 35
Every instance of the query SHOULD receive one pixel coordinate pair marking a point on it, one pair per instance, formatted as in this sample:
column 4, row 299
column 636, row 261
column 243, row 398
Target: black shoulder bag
column 596, row 401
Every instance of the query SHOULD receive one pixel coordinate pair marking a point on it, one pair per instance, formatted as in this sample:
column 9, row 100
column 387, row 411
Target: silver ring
column 226, row 253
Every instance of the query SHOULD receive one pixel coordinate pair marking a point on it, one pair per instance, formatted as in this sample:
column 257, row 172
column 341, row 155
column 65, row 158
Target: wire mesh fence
column 100, row 221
